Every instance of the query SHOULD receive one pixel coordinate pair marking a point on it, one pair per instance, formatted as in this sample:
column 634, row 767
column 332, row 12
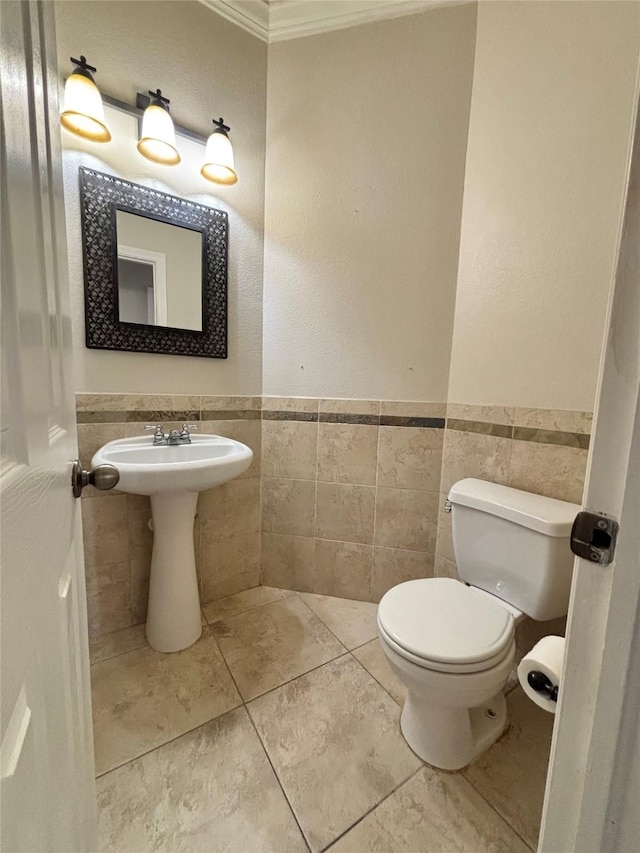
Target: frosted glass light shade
column 158, row 137
column 83, row 113
column 218, row 160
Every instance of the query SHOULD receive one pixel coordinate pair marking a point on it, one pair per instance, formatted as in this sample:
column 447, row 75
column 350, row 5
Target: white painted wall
column 207, row 67
column 550, row 119
column 366, row 139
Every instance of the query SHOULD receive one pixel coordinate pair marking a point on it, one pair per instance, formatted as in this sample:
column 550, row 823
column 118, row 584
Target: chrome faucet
column 172, row 438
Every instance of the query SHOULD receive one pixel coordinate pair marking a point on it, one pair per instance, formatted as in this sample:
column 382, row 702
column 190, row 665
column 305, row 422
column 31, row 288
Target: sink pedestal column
column 173, row 616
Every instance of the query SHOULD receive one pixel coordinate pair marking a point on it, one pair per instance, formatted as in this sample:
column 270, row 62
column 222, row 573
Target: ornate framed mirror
column 155, row 270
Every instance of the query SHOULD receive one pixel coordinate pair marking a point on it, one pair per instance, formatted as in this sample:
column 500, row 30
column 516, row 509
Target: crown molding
column 288, row 19
column 250, row 15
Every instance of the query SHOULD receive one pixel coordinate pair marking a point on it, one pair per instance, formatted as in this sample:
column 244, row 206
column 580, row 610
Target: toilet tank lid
column 545, row 515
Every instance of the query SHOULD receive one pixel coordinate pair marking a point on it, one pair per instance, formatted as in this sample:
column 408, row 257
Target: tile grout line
column 495, row 810
column 277, row 777
column 373, row 676
column 373, row 808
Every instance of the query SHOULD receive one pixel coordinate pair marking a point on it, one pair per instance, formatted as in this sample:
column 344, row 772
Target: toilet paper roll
column 546, row 657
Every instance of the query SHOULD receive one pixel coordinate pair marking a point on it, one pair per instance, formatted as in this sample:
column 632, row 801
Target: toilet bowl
column 453, row 649
column 451, row 643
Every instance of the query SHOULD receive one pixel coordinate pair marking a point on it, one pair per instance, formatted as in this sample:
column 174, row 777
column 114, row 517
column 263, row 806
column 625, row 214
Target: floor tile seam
column 171, row 739
column 247, row 702
column 496, row 810
column 373, row 808
column 328, row 627
column 373, row 676
column 93, row 663
column 278, row 780
column 253, row 606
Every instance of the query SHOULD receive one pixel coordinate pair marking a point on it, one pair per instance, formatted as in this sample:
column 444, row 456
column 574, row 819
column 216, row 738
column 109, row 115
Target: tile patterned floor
column 277, row 732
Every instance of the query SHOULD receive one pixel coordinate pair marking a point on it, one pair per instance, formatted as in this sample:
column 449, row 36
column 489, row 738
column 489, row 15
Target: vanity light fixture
column 218, row 165
column 83, row 113
column 158, row 137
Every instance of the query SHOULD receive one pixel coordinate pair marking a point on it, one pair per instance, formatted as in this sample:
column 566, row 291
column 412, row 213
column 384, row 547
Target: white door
column 592, row 802
column 46, row 752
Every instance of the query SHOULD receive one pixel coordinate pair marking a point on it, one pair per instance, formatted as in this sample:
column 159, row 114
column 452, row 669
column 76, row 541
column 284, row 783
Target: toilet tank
column 515, row 545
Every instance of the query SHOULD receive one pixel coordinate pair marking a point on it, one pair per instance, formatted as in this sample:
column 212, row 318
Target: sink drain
column 490, row 713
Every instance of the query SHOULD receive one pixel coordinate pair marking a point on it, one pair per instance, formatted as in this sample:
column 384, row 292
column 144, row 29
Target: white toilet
column 452, row 643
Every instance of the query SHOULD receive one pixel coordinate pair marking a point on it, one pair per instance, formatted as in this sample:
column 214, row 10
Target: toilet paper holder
column 541, row 684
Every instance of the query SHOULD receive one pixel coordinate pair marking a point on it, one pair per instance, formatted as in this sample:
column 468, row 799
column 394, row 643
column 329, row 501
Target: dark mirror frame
column 100, row 197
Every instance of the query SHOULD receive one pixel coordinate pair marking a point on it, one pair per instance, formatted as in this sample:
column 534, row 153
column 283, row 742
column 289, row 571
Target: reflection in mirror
column 160, row 272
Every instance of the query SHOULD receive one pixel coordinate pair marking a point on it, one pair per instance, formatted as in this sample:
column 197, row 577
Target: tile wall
column 350, row 492
column 344, row 497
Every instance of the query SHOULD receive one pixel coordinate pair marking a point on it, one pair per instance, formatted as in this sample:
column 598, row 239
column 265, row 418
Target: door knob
column 102, row 477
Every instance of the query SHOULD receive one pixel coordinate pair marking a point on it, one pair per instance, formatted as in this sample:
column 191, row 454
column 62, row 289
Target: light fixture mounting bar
column 142, row 102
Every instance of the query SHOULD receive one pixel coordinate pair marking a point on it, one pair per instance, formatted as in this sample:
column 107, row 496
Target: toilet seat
column 444, row 625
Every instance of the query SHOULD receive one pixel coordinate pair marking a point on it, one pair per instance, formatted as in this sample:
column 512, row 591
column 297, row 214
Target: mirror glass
column 160, row 272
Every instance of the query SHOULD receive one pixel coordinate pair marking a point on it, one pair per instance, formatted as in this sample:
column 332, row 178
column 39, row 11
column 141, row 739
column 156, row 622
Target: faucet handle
column 156, row 427
column 186, row 427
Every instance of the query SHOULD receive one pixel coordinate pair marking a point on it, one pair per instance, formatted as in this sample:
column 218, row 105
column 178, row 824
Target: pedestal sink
column 173, row 475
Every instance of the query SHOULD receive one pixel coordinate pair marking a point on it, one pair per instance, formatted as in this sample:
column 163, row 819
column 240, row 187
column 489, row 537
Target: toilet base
column 450, row 738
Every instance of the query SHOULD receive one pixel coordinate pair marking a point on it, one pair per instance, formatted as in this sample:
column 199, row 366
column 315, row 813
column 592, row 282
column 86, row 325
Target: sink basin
column 173, row 475
column 146, row 469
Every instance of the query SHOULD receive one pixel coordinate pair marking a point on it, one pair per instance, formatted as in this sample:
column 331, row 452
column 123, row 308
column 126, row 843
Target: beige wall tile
column 100, row 402
column 444, row 568
column 486, row 414
column 105, row 531
column 248, row 432
column 406, row 519
column 288, row 506
column 287, row 561
column 392, row 566
column 139, row 532
column 555, row 419
column 139, row 571
column 469, row 454
column 234, row 404
column 444, row 544
column 162, row 402
column 108, row 598
column 412, row 409
column 232, row 509
column 290, row 404
column 347, row 453
column 229, row 565
column 410, row 458
column 342, row 569
column 349, row 407
column 91, row 437
column 546, row 469
column 345, row 512
column 289, row 449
